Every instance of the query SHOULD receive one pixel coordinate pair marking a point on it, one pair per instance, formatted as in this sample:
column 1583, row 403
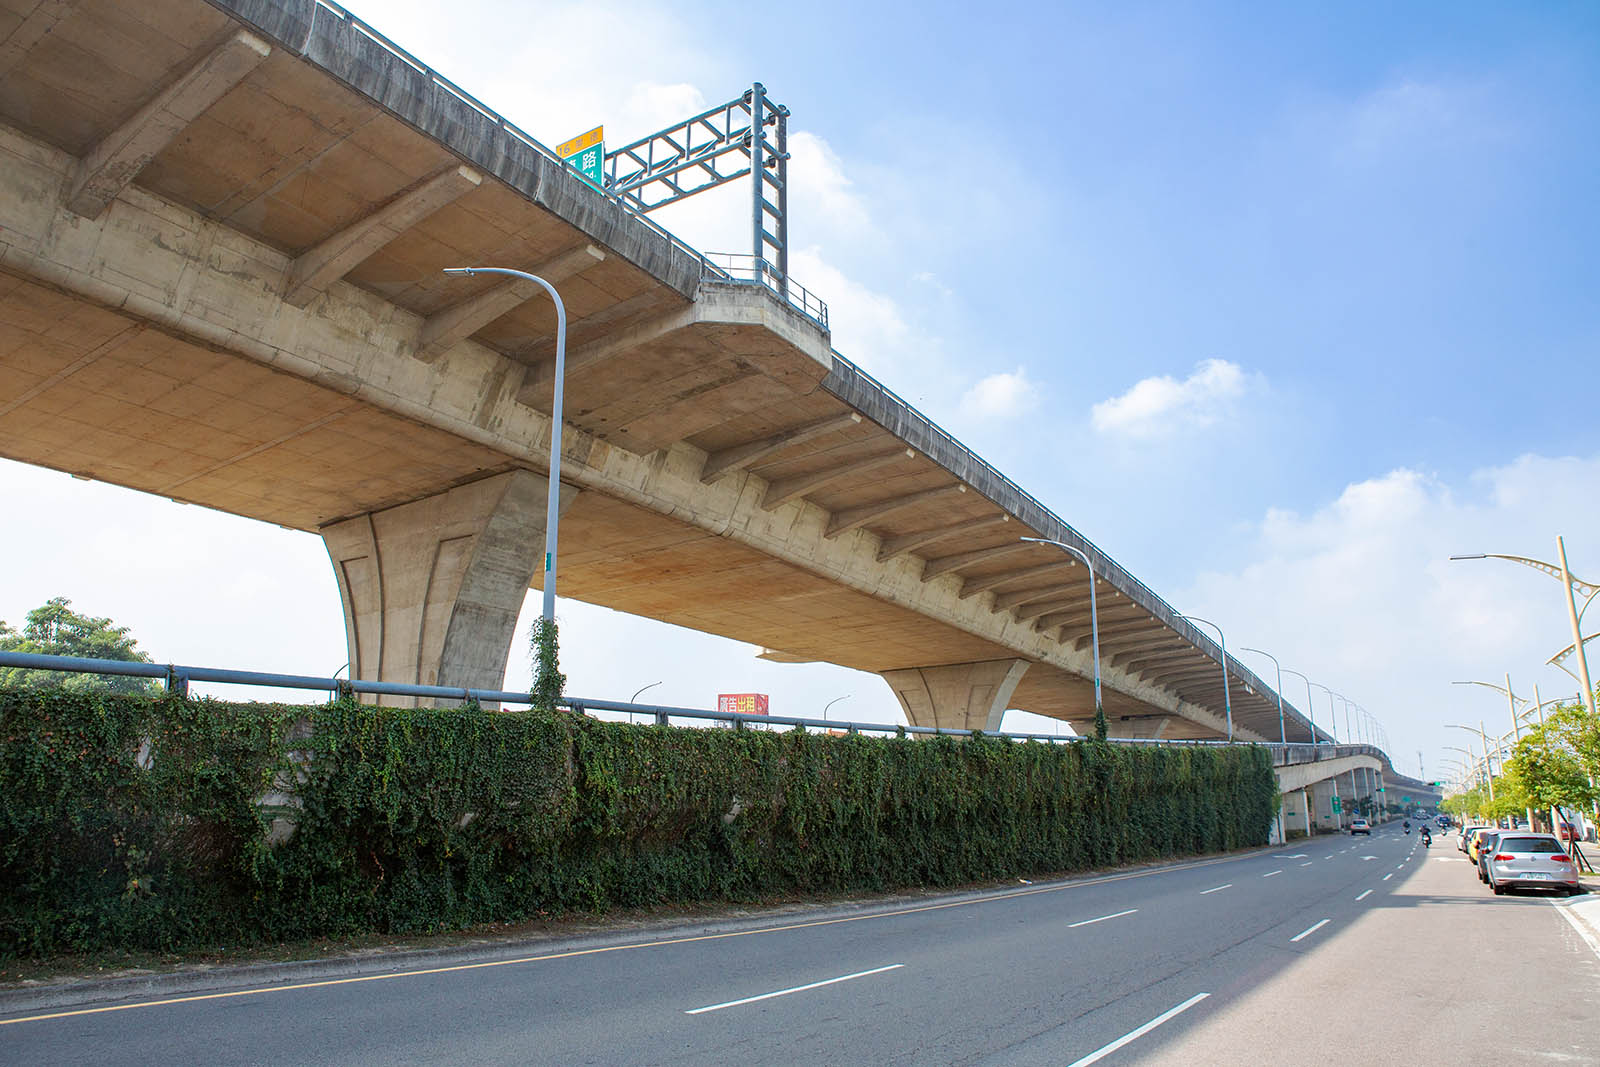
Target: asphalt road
column 1342, row 951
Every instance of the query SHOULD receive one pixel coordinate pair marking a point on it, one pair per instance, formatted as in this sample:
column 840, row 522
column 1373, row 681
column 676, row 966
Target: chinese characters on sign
column 742, row 703
column 586, row 153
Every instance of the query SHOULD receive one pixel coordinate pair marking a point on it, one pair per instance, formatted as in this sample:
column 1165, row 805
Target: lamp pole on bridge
column 1311, row 711
column 1094, row 625
column 552, row 515
column 1283, row 736
column 1333, row 719
column 1227, row 699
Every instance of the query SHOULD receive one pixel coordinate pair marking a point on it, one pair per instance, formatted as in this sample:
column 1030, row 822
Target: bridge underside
column 108, row 397
column 220, row 282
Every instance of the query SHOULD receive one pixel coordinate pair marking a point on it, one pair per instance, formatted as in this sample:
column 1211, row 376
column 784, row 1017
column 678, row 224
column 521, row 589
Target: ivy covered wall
column 128, row 822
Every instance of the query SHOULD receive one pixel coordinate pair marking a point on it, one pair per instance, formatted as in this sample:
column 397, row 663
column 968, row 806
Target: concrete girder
column 1083, row 635
column 849, row 519
column 35, row 26
column 1156, row 673
column 337, row 255
column 1028, row 596
column 960, row 696
column 973, row 586
column 961, row 560
column 738, row 457
column 538, row 380
column 112, row 164
column 1137, row 661
column 1212, row 679
column 1116, row 642
column 1080, row 615
column 543, row 350
column 432, row 588
column 443, row 330
column 781, row 492
column 1024, row 612
column 907, row 542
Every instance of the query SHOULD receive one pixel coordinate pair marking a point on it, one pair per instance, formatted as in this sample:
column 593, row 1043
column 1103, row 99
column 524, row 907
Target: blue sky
column 1279, row 304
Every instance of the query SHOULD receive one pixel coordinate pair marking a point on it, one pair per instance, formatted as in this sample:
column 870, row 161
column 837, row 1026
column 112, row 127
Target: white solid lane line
column 1133, row 1035
column 1308, row 931
column 1101, row 919
column 1269, row 874
column 1364, row 894
column 796, row 989
column 1217, row 889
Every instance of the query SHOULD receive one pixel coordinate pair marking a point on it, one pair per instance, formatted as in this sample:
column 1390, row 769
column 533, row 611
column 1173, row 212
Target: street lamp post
column 1094, row 621
column 1564, row 575
column 830, row 704
column 1283, row 736
column 635, row 696
column 1488, row 767
column 1333, row 722
column 1311, row 711
column 552, row 514
column 1227, row 699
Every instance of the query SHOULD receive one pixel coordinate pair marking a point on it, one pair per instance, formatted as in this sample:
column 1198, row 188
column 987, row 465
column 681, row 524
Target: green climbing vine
column 548, row 682
column 159, row 823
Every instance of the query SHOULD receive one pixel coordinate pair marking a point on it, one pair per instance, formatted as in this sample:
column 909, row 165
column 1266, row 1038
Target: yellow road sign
column 568, row 149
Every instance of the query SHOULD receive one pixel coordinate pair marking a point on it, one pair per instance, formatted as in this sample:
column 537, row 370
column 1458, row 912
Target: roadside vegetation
column 1553, row 766
column 157, row 823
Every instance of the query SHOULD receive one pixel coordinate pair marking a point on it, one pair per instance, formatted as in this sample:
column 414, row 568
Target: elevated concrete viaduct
column 222, row 231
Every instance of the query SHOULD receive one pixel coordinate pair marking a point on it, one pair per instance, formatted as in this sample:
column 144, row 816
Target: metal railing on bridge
column 176, row 678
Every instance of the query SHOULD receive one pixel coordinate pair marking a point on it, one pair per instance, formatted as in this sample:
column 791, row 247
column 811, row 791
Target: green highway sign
column 586, row 152
column 1336, row 805
column 1405, row 800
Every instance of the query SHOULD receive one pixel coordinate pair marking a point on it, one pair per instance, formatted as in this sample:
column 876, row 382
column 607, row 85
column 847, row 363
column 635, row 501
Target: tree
column 1551, row 771
column 54, row 629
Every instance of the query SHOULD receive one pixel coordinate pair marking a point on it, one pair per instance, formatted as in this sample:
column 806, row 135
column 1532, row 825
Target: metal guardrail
column 177, row 679
column 744, row 267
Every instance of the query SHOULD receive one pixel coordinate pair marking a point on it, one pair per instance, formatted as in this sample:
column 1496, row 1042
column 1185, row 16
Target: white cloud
column 1161, row 406
column 822, row 194
column 1361, row 595
column 1002, row 395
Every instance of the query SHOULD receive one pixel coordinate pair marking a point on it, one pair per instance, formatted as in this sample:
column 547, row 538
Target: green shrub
column 132, row 822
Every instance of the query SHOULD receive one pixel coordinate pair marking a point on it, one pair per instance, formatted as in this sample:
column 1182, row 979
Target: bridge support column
column 432, row 588
column 960, row 696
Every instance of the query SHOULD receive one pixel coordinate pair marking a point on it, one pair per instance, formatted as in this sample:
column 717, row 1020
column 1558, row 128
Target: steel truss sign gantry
column 747, row 135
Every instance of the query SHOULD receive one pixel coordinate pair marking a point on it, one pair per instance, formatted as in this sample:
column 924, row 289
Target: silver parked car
column 1529, row 861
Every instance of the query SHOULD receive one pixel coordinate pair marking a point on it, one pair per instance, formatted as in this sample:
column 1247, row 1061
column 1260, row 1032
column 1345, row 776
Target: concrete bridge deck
column 222, row 231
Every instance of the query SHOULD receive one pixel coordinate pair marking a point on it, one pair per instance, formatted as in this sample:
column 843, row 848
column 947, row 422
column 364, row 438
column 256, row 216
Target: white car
column 1529, row 861
column 1361, row 826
